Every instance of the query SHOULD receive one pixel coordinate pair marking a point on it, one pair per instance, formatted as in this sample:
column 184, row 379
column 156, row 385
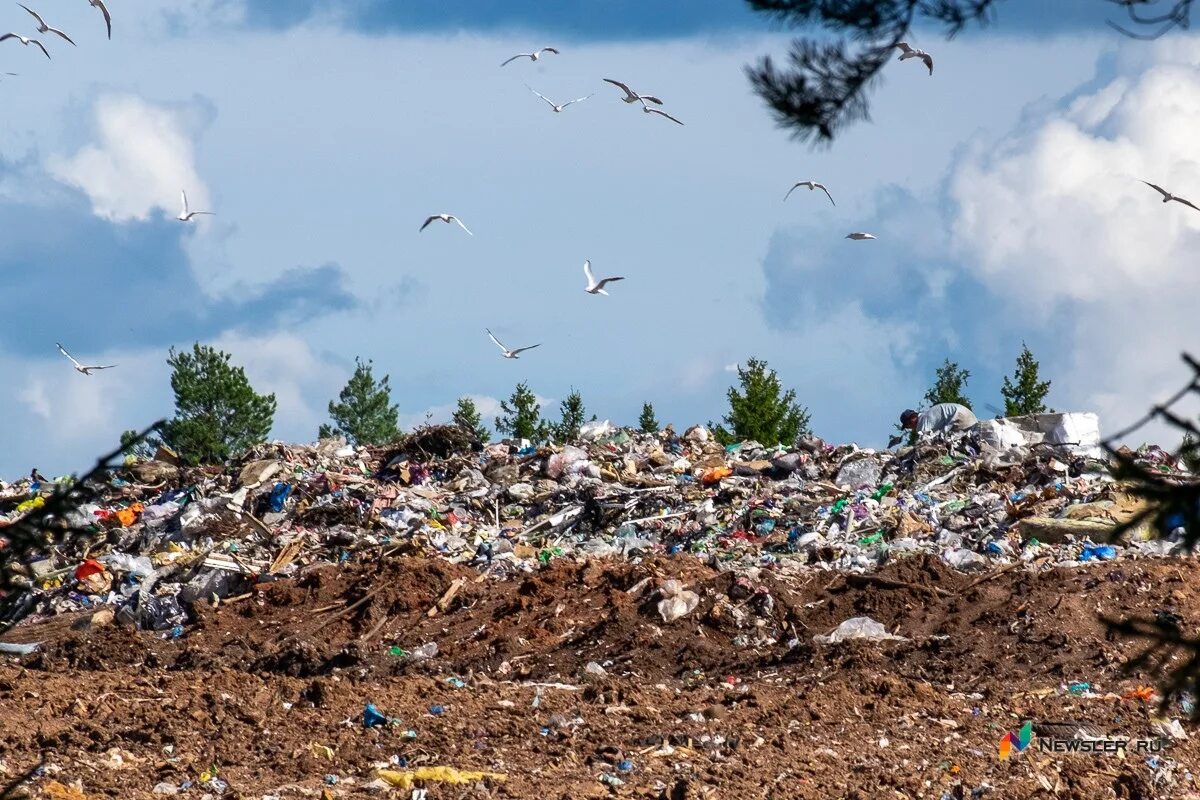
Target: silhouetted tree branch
column 1173, row 503
column 825, row 85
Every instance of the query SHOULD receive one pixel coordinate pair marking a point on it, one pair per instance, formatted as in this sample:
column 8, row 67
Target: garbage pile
column 167, row 536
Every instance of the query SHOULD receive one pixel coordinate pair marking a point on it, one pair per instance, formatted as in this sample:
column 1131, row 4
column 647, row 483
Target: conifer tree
column 466, row 416
column 364, row 413
column 217, row 412
column 572, row 416
column 762, row 411
column 1025, row 394
column 521, row 416
column 948, row 385
column 647, row 422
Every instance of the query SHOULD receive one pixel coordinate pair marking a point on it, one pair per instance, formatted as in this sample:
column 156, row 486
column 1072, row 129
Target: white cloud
column 1055, row 219
column 143, row 157
column 34, row 396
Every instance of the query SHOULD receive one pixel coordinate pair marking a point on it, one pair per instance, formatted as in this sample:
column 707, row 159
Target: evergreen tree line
column 218, row 414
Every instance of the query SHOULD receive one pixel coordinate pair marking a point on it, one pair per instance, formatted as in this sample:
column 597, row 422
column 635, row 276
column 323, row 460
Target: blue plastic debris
column 1098, row 552
column 372, row 716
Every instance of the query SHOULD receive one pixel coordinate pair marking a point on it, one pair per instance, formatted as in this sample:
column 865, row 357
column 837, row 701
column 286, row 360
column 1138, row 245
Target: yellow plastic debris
column 449, row 775
column 320, row 750
column 36, row 502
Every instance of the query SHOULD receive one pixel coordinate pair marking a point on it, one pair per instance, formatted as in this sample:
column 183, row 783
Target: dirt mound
column 734, row 699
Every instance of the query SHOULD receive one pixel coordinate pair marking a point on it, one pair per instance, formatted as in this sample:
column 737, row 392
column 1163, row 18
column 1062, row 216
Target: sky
column 1004, row 192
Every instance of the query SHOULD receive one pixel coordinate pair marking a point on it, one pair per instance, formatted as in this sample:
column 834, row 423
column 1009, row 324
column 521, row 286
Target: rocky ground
column 733, row 700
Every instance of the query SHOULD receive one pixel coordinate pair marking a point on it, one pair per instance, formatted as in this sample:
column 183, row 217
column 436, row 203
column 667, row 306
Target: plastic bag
column 594, row 430
column 963, row 559
column 863, row 472
column 858, row 628
column 559, row 463
column 677, row 601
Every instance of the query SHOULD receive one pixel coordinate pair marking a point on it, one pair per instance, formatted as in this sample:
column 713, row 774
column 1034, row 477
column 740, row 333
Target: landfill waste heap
column 364, row 563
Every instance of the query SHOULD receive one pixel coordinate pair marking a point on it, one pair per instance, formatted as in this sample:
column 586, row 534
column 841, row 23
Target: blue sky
column 1003, row 191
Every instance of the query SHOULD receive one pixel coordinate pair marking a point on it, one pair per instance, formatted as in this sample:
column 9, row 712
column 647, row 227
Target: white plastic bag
column 677, row 601
column 857, row 628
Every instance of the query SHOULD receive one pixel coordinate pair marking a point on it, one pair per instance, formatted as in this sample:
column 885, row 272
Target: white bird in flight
column 25, row 40
column 185, row 215
column 858, row 237
column 632, row 96
column 510, row 353
column 80, row 368
column 444, row 218
column 1168, row 197
column 103, row 10
column 908, row 52
column 811, row 186
column 42, row 26
column 557, row 108
column 596, row 286
column 534, row 56
column 650, row 110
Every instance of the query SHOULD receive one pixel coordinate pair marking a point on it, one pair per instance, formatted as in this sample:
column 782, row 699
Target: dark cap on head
column 909, row 417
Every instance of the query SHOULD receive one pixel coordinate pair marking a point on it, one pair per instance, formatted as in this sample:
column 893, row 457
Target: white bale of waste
column 1077, row 433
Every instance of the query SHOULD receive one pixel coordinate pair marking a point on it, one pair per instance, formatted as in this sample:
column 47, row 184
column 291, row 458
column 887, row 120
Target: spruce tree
column 572, row 416
column 217, row 412
column 647, row 422
column 364, row 413
column 1025, row 394
column 948, row 385
column 466, row 416
column 521, row 416
column 762, row 411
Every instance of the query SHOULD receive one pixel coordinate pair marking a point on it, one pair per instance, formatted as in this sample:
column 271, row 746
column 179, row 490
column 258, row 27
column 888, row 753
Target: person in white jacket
column 942, row 417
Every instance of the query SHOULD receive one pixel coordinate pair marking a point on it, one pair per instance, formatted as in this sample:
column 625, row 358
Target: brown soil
column 704, row 707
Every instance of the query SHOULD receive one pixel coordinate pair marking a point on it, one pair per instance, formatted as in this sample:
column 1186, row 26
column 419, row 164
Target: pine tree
column 217, row 412
column 1025, row 394
column 521, row 416
column 647, row 421
column 572, row 416
column 365, row 414
column 466, row 416
column 762, row 411
column 948, row 385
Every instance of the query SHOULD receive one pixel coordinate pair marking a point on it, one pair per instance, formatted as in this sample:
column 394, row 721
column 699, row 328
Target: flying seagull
column 103, row 10
column 908, row 52
column 534, row 56
column 650, row 110
column 632, row 96
column 811, row 186
column 510, row 353
column 42, row 26
column 185, row 215
column 80, row 368
column 557, row 108
column 444, row 218
column 25, row 40
column 596, row 286
column 1168, row 197
column 858, row 237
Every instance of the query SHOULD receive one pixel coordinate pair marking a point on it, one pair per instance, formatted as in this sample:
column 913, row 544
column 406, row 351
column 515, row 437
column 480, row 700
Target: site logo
column 1019, row 740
